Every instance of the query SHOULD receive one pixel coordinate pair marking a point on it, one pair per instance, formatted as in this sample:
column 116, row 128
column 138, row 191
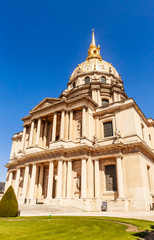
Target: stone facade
column 91, row 144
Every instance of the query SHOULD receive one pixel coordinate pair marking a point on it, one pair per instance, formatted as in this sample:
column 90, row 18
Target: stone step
column 44, row 210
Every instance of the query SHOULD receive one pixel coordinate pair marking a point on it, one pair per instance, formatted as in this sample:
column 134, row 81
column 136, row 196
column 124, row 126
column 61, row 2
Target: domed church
column 93, row 144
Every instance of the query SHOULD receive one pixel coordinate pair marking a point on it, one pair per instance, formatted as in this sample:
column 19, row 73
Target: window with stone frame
column 87, row 80
column 105, row 102
column 111, row 179
column 74, row 85
column 108, row 129
column 103, row 79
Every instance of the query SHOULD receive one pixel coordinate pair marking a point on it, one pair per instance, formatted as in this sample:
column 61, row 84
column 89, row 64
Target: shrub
column 9, row 204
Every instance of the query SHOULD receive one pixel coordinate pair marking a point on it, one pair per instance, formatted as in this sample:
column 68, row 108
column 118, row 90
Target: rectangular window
column 110, row 176
column 108, row 129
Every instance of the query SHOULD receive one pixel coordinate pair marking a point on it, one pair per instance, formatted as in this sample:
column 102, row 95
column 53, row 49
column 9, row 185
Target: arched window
column 103, row 79
column 87, row 80
column 108, row 129
column 74, row 85
column 105, row 102
column 110, row 175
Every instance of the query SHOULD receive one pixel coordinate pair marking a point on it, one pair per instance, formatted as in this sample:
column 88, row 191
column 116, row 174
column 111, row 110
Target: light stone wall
column 136, row 181
column 79, row 156
column 127, row 122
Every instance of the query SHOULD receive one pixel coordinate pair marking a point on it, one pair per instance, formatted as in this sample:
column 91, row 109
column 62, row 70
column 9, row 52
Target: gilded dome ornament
column 94, row 62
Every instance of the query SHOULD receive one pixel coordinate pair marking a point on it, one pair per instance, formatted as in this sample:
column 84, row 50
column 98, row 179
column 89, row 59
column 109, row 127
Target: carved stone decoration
column 78, row 183
column 94, row 153
column 79, row 127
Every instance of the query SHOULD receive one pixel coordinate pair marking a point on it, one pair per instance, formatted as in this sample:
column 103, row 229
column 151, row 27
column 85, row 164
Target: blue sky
column 41, row 42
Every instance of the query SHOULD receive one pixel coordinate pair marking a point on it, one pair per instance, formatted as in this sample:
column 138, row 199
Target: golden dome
column 94, row 62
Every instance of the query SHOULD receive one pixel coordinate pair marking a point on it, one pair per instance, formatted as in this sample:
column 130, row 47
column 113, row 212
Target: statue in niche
column 78, row 183
column 78, row 129
column 94, row 140
column 14, row 156
column 117, row 136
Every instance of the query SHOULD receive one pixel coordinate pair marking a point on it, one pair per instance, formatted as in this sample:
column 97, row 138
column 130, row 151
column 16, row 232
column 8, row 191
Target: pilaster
column 83, row 178
column 97, row 179
column 17, row 182
column 38, row 131
column 54, row 127
column 69, row 179
column 25, row 183
column 31, row 133
column 59, row 183
column 50, row 180
column 32, row 182
column 120, row 182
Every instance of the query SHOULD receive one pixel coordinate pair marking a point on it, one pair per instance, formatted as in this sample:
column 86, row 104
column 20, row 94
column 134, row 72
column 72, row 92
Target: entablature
column 63, row 104
column 80, row 151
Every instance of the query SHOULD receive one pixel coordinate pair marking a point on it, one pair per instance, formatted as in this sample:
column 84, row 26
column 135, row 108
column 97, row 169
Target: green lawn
column 86, row 228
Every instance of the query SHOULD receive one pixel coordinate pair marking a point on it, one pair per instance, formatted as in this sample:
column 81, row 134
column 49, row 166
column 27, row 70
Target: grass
column 70, row 228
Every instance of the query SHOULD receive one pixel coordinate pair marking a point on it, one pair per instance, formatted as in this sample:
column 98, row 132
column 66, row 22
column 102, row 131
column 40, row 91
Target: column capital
column 119, row 155
column 32, row 120
column 40, row 164
column 18, row 168
column 26, row 165
column 50, row 161
column 34, row 164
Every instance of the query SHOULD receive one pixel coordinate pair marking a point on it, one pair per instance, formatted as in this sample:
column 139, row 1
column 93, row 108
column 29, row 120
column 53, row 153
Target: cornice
column 63, row 104
column 92, row 73
column 100, row 152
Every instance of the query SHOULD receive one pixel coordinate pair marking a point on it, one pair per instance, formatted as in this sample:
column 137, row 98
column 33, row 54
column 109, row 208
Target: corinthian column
column 17, row 182
column 40, row 185
column 54, row 127
column 50, row 180
column 66, row 124
column 45, row 134
column 99, row 98
column 10, row 180
column 31, row 133
column 120, row 180
column 32, row 182
column 69, row 179
column 83, row 179
column 59, row 183
column 90, row 178
column 70, row 124
column 84, row 122
column 25, row 183
column 38, row 131
column 62, row 125
column 97, row 179
column 23, row 139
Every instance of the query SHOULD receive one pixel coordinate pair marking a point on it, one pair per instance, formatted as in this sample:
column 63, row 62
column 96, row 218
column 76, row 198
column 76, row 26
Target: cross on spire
column 93, row 37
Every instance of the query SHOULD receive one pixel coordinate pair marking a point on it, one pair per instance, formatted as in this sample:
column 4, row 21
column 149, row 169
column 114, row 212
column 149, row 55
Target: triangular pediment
column 106, row 115
column 45, row 103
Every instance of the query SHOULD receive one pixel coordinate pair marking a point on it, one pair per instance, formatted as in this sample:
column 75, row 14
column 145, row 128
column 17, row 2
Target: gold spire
column 93, row 38
column 93, row 52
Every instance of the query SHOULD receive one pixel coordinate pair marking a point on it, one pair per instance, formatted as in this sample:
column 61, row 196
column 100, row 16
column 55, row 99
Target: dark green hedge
column 9, row 204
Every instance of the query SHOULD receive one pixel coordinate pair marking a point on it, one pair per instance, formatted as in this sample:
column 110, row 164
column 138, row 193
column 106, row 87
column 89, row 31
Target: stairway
column 44, row 210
